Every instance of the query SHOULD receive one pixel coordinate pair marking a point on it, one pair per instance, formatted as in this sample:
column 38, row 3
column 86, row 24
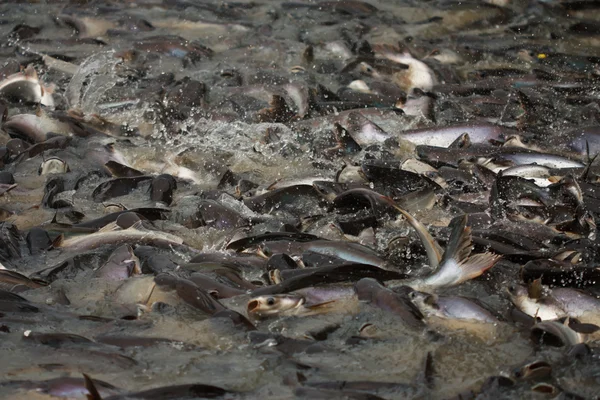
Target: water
column 128, row 80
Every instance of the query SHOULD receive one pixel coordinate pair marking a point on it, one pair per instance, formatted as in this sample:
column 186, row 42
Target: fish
column 451, row 307
column 134, row 234
column 371, row 291
column 278, row 305
column 558, row 333
column 456, row 265
column 556, row 303
column 121, row 264
column 27, row 87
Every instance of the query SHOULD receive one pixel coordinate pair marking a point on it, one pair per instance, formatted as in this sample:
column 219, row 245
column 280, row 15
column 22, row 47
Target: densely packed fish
column 312, row 199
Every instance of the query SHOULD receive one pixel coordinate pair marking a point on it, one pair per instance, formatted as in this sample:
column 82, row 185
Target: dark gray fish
column 117, row 187
column 119, row 170
column 215, row 288
column 556, row 334
column 162, row 188
column 56, row 340
column 10, row 247
column 70, row 268
column 189, row 391
column 281, row 198
column 373, row 292
column 216, row 215
column 244, row 243
column 10, row 306
column 38, row 240
column 16, row 282
column 190, row 293
column 319, row 393
column 121, row 264
column 125, row 341
column 147, row 213
column 56, row 142
column 64, row 387
column 308, row 277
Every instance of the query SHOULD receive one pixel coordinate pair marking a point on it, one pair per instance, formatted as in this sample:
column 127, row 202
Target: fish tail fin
column 476, row 265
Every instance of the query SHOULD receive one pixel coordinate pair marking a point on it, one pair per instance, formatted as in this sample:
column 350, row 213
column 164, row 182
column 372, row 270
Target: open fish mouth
column 253, row 306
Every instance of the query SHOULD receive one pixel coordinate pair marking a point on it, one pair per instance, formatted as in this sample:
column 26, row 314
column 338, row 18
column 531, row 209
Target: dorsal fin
column 459, row 244
column 56, row 243
column 138, row 226
column 91, row 388
column 535, row 289
column 461, row 142
column 110, row 227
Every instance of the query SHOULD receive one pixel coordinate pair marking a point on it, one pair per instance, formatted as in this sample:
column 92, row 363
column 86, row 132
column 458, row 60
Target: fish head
column 425, row 302
column 273, row 305
column 517, row 293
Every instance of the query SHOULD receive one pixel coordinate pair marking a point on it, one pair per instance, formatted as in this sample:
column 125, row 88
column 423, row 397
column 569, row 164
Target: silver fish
column 135, row 234
column 27, row 87
column 451, row 307
column 278, row 305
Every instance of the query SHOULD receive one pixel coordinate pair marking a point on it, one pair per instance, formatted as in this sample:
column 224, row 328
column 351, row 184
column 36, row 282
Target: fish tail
column 477, row 264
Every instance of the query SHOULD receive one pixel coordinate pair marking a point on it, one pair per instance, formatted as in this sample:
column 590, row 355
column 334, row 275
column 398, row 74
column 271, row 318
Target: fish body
column 451, row 307
column 135, row 234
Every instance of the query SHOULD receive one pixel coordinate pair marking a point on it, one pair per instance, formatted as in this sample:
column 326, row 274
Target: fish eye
column 270, row 301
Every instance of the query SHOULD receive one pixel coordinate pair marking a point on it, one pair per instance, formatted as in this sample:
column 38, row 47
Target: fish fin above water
column 535, row 289
column 584, row 328
column 91, row 388
column 58, row 242
column 110, row 227
column 138, row 226
column 426, row 375
column 461, row 142
column 432, row 247
column 460, row 242
column 476, row 265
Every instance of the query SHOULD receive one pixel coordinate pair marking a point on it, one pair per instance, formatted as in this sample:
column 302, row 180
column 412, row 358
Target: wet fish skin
column 371, row 291
column 275, row 305
column 174, row 392
column 134, row 234
column 162, row 187
column 190, row 293
column 347, row 272
column 121, row 264
column 557, row 303
column 63, row 387
column 556, row 334
column 451, row 307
